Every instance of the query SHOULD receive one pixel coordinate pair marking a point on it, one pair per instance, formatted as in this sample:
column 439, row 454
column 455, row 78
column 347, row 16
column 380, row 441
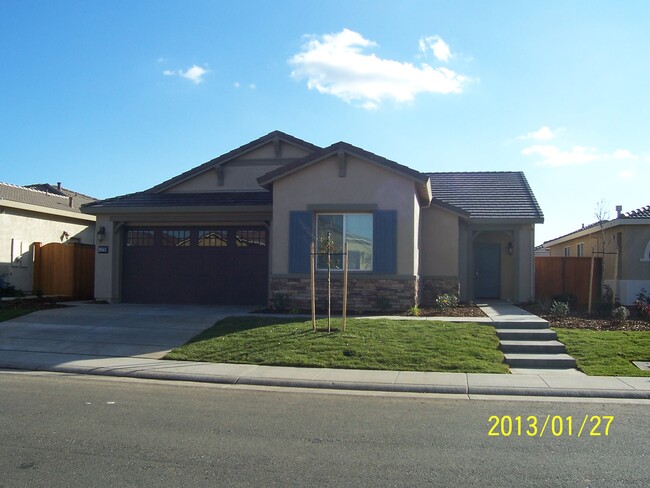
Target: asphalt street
column 66, row 430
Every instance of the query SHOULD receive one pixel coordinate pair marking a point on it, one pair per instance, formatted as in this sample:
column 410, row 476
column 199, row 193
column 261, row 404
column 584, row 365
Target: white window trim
column 646, row 254
column 567, row 251
column 580, row 249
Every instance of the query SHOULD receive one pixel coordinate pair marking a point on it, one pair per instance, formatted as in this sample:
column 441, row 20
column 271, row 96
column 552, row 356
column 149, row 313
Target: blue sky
column 112, row 97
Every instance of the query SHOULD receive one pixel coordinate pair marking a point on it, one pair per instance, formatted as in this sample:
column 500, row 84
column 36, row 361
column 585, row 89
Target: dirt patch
column 582, row 320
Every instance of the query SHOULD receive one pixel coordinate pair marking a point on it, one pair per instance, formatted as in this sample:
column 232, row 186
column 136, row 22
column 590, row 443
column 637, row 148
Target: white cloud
column 435, row 44
column 336, row 64
column 195, row 74
column 627, row 174
column 553, row 156
column 544, row 133
column 624, row 154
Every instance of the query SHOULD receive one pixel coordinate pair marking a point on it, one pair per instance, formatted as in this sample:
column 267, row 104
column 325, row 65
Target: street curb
column 343, row 385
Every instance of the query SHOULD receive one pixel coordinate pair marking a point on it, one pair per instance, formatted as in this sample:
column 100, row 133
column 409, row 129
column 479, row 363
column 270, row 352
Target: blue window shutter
column 300, row 237
column 384, row 239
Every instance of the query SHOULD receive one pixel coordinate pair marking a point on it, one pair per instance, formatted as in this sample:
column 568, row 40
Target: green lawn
column 12, row 313
column 607, row 353
column 401, row 345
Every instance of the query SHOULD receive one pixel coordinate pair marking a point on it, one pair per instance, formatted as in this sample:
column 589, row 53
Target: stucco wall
column 438, row 243
column 364, row 184
column 25, row 228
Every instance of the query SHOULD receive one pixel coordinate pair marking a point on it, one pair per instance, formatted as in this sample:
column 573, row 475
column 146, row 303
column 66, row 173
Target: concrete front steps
column 527, row 341
column 533, row 345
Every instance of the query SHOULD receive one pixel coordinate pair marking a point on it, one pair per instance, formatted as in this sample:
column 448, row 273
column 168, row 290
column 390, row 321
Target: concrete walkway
column 17, row 352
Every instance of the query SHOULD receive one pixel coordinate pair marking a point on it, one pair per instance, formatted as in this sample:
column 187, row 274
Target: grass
column 12, row 313
column 607, row 353
column 367, row 344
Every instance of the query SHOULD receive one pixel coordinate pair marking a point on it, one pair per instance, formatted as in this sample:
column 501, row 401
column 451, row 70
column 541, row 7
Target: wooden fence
column 64, row 269
column 567, row 276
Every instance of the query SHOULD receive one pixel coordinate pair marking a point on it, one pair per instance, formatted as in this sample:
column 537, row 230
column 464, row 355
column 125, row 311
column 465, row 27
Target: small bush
column 620, row 314
column 446, row 301
column 559, row 309
column 414, row 311
column 642, row 304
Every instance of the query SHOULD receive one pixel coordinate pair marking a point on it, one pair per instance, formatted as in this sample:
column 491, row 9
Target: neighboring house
column 624, row 245
column 38, row 213
column 238, row 229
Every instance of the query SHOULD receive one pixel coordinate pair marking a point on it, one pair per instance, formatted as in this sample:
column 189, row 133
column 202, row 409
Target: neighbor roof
column 488, row 195
column 34, row 195
column 633, row 217
column 639, row 213
column 232, row 155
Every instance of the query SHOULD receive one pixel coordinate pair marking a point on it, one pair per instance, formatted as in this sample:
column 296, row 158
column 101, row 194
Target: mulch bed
column 31, row 303
column 582, row 320
column 459, row 311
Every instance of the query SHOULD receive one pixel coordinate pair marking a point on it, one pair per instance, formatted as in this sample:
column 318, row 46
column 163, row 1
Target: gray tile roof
column 639, row 213
column 32, row 195
column 211, row 199
column 488, row 195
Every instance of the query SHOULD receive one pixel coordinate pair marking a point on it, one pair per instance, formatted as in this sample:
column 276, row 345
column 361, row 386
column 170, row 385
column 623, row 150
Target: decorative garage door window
column 213, row 238
column 355, row 229
column 250, row 238
column 176, row 238
column 140, row 238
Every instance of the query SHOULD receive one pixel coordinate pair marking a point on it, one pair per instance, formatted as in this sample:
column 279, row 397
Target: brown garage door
column 197, row 265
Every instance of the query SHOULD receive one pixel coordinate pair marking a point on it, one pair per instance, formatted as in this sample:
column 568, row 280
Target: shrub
column 446, row 301
column 620, row 314
column 414, row 311
column 642, row 304
column 559, row 309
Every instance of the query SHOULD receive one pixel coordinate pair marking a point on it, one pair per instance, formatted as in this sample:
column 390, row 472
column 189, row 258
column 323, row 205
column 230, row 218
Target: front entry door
column 487, row 266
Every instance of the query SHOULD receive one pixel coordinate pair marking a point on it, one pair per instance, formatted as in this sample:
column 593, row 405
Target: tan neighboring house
column 624, row 244
column 238, row 230
column 38, row 213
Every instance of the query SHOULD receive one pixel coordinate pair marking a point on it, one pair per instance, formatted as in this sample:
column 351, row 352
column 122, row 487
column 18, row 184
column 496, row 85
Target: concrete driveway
column 120, row 330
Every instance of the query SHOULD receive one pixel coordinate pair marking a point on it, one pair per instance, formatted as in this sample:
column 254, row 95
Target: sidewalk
column 141, row 363
column 541, row 384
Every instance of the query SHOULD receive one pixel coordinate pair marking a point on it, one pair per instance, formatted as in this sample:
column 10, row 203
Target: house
column 624, row 245
column 38, row 213
column 238, row 230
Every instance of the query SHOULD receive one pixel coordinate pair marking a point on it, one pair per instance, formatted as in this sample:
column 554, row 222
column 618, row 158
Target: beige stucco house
column 624, row 245
column 238, row 230
column 38, row 213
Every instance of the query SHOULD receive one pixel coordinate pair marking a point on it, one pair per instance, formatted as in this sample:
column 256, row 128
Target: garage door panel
column 193, row 265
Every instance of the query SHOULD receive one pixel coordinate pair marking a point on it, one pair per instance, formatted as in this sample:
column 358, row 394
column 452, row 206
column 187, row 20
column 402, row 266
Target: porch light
column 101, row 233
column 510, row 249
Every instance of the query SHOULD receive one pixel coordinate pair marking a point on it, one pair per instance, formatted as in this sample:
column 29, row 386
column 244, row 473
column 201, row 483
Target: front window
column 567, row 251
column 580, row 249
column 333, row 231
